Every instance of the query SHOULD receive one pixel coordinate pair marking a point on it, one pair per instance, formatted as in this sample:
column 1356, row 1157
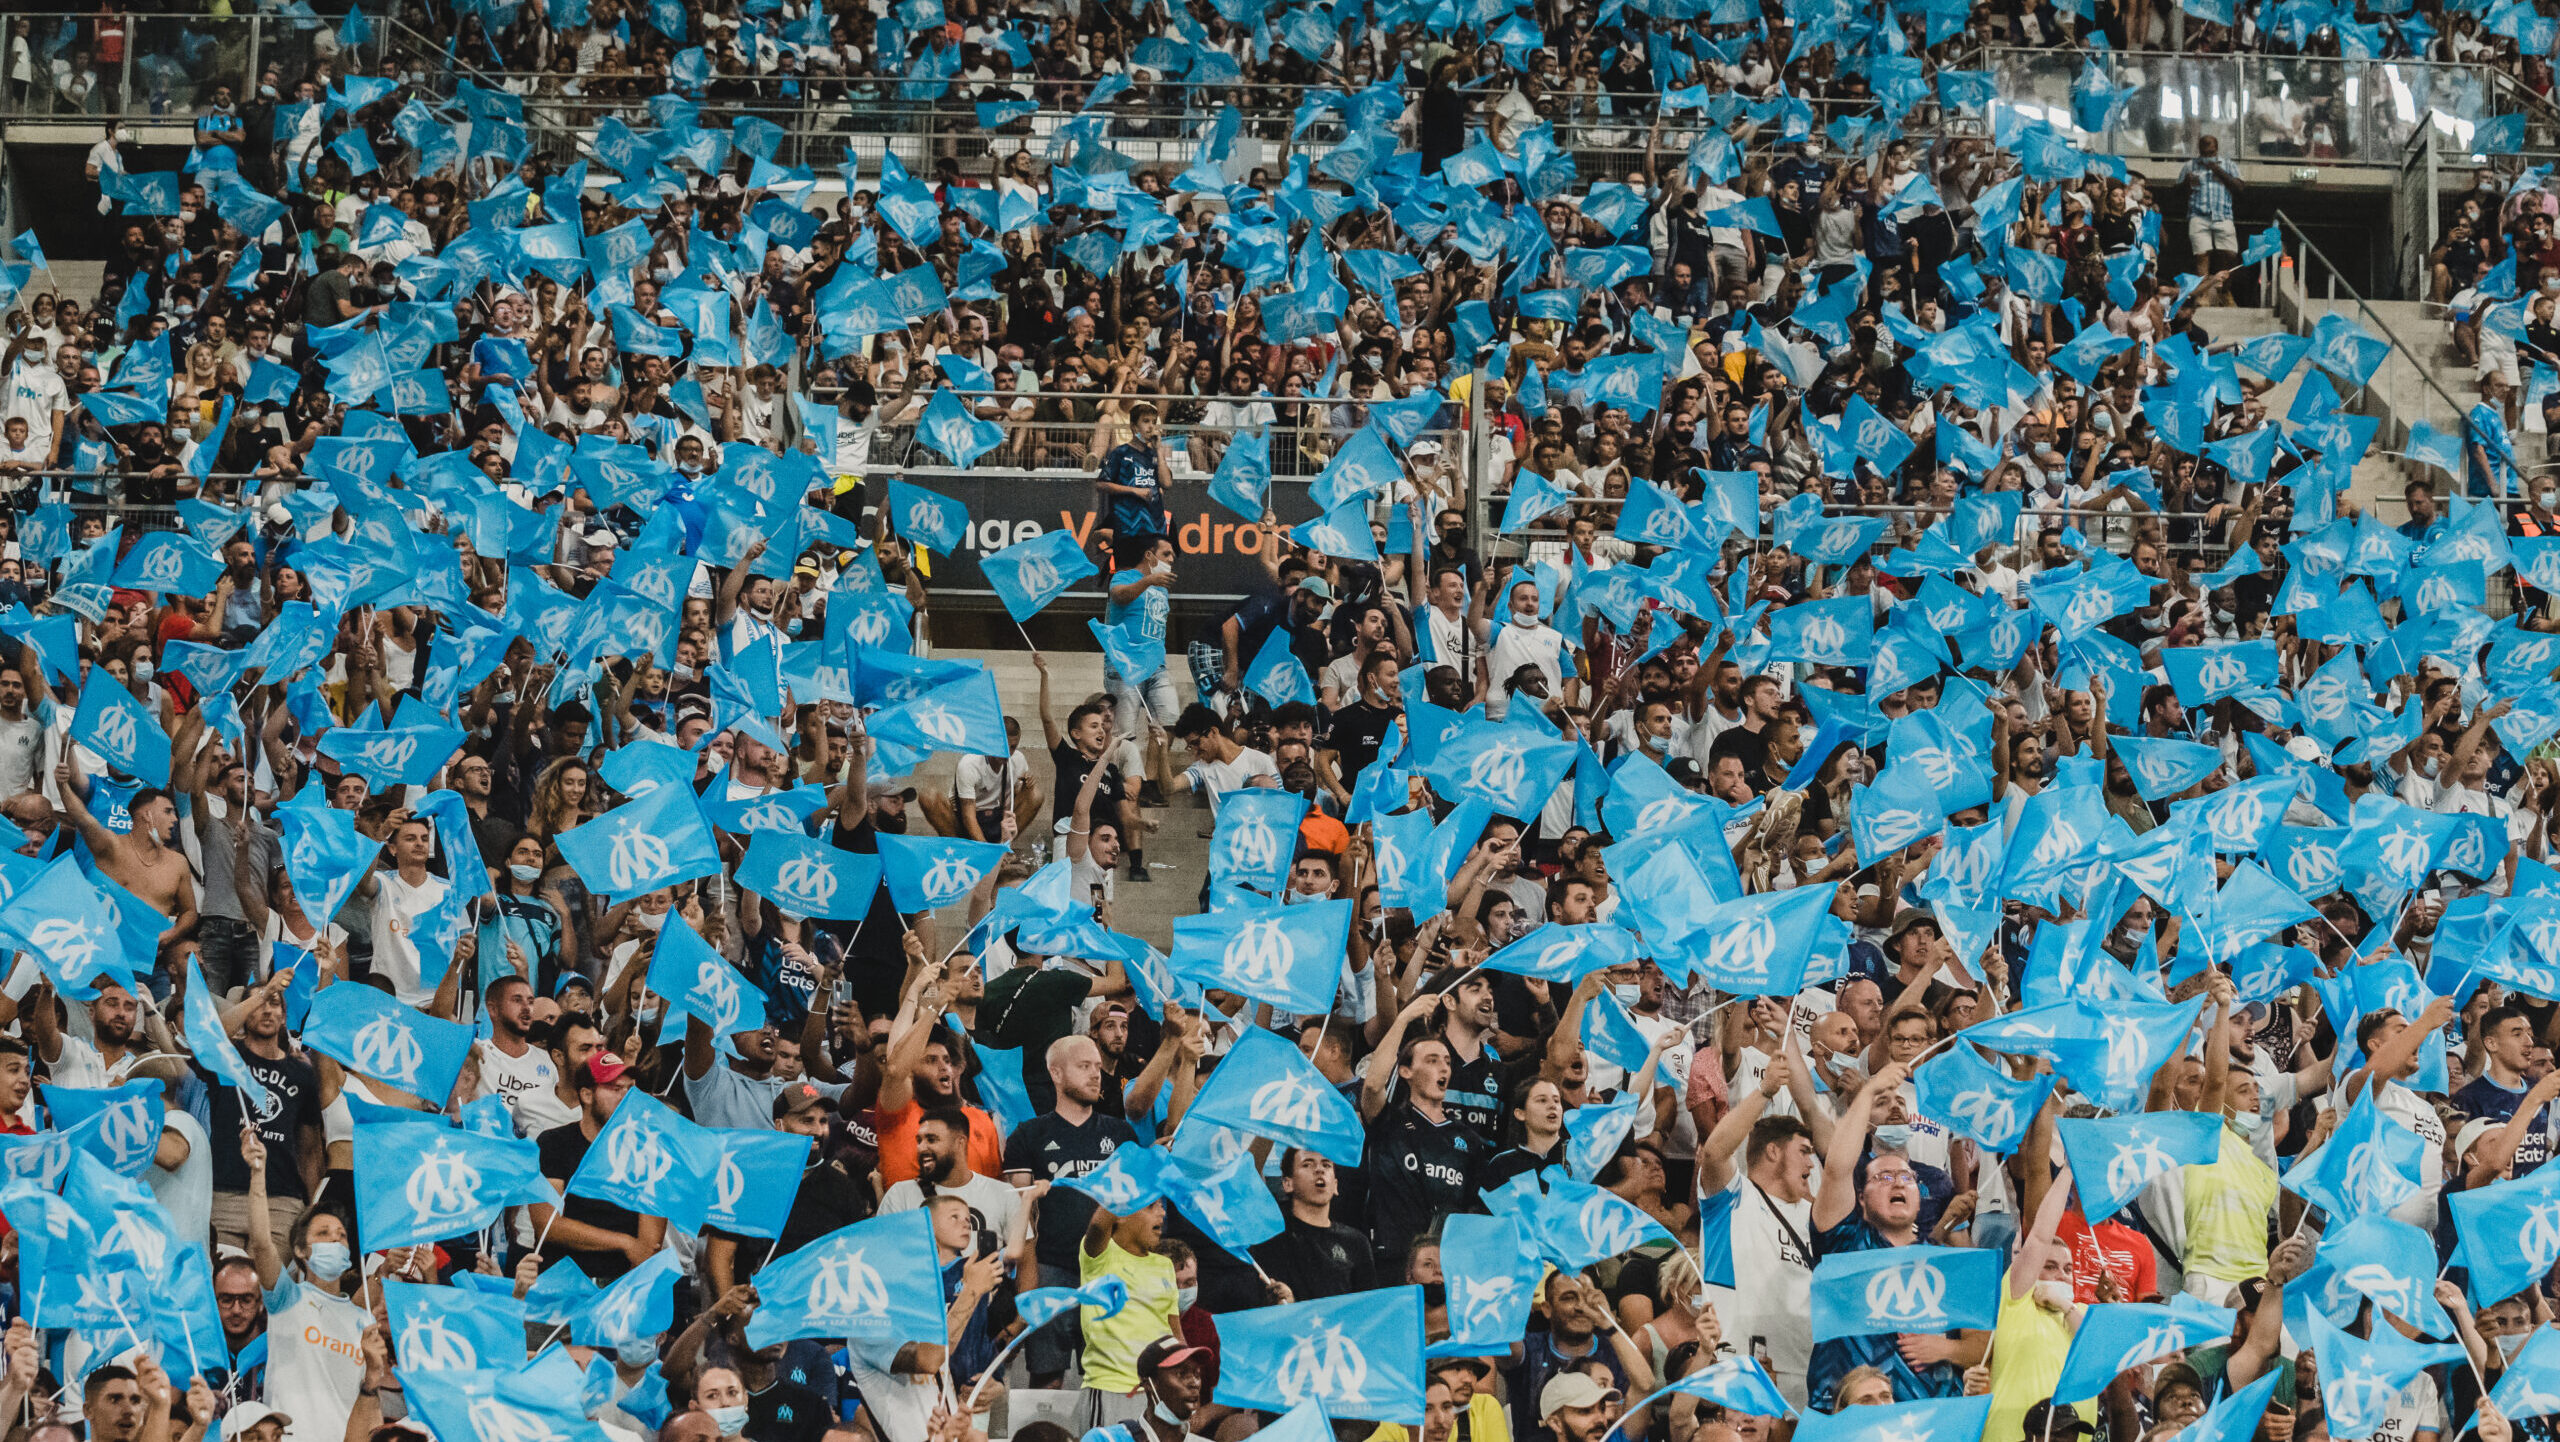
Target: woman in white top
column 315, row 1335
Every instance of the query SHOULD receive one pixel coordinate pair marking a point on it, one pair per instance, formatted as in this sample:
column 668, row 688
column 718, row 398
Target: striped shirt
column 2208, row 198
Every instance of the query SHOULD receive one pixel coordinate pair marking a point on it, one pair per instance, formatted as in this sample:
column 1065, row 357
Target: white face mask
column 649, row 920
column 2053, row 1295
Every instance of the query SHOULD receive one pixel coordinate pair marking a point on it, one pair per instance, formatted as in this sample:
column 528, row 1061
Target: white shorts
column 2206, row 236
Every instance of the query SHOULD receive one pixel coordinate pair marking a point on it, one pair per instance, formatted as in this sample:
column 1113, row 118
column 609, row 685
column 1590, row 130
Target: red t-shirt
column 2111, row 1247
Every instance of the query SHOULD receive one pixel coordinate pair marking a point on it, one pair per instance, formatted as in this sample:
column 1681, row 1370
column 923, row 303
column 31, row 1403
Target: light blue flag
column 1230, row 1201
column 410, row 756
column 422, row 1181
column 949, row 429
column 874, row 1281
column 444, row 1329
column 368, row 1031
column 1266, row 1087
column 965, row 715
column 212, row 1046
column 121, row 729
column 2114, row 1158
column 2114, row 1069
column 1761, row 944
column 1594, row 1132
column 1609, row 1033
column 640, row 1303
column 1492, row 1275
column 1737, row 1384
column 1243, row 480
column 1556, row 952
column 2530, row 1387
column 2115, row 1337
column 490, row 1403
column 1357, row 1356
column 1042, row 1305
column 928, row 873
column 1942, row 1419
column 928, row 518
column 1573, row 1223
column 1256, row 838
column 643, row 845
column 2510, row 1231
column 2371, row 1164
column 170, row 564
column 67, row 925
column 1899, row 810
column 1289, row 956
column 1960, row 1090
column 700, row 982
column 1512, row 770
column 1028, row 575
column 651, row 1161
column 1905, row 1289
column 1275, row 673
column 1533, row 496
column 2394, row 1264
column 2234, row 1418
column 1837, row 632
column 806, row 877
column 325, row 856
column 747, row 1192
column 2202, row 674
column 2163, row 767
column 119, row 1126
column 1132, row 657
column 1131, row 1180
column 1652, row 516
column 2361, row 1378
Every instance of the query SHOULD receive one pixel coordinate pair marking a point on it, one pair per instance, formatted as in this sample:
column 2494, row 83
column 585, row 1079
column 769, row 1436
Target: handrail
column 2338, row 281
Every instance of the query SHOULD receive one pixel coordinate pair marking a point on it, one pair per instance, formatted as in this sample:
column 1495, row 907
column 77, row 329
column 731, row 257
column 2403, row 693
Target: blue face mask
column 1893, row 1137
column 730, row 1420
column 329, row 1261
column 525, row 873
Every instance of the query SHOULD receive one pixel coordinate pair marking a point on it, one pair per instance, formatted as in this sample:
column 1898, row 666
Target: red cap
column 602, row 1069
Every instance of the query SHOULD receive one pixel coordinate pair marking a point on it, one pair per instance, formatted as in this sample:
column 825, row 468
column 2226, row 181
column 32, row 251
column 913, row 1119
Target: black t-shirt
column 294, row 1086
column 829, row 1200
column 1419, row 1171
column 1356, row 733
column 1028, row 1010
column 874, row 948
column 1476, row 1091
column 1052, row 1148
column 1752, row 746
column 786, row 1412
column 1327, row 1261
column 1072, row 766
column 1512, row 1161
column 562, row 1148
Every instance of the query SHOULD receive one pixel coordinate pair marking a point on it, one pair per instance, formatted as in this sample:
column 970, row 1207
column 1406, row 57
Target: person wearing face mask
column 1174, row 1378
column 2221, row 1251
column 1525, row 639
column 1871, row 1199
column 2037, row 1318
column 314, row 1332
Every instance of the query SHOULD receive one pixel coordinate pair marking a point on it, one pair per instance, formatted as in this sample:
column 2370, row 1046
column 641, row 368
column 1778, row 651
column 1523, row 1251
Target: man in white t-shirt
column 37, row 396
column 1525, row 639
column 520, row 1074
column 400, row 896
column 1220, row 763
column 942, row 1164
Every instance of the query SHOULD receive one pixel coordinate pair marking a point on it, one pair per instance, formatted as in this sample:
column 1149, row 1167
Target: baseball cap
column 248, row 1415
column 1685, row 771
column 1424, row 448
column 888, row 788
column 1316, row 586
column 602, row 1069
column 1166, row 1352
column 1571, row 1389
column 2471, row 1133
column 2303, row 748
column 795, row 1099
column 2064, row 1421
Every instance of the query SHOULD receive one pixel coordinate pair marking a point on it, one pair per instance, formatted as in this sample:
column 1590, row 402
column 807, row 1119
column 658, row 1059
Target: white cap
column 2303, row 748
column 248, row 1415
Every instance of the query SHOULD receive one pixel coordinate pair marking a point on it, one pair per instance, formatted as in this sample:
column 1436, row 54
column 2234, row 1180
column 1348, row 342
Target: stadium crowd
column 1824, row 817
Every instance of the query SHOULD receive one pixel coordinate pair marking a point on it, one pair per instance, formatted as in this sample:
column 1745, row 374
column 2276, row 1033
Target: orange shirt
column 897, row 1132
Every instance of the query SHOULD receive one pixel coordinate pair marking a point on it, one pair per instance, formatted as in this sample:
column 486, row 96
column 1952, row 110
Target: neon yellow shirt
column 1111, row 1345
column 2227, row 1205
column 2027, row 1349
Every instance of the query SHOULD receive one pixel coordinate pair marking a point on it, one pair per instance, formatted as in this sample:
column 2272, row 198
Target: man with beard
column 109, row 1058
column 920, row 1072
column 142, row 861
column 942, row 1170
column 830, row 1197
column 739, row 1093
column 1074, row 1138
column 288, row 1126
column 242, row 1304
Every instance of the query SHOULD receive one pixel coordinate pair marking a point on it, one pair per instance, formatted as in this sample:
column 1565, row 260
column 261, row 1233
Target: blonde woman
column 1681, row 1314
column 559, row 802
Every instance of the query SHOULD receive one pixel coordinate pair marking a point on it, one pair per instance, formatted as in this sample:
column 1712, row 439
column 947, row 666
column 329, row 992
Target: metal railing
column 2292, row 110
column 103, row 64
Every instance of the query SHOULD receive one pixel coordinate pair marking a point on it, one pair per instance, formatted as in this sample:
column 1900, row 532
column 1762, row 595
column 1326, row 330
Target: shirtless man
column 143, row 861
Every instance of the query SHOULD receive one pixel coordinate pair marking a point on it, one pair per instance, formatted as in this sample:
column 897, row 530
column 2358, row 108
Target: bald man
column 1069, row 1140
